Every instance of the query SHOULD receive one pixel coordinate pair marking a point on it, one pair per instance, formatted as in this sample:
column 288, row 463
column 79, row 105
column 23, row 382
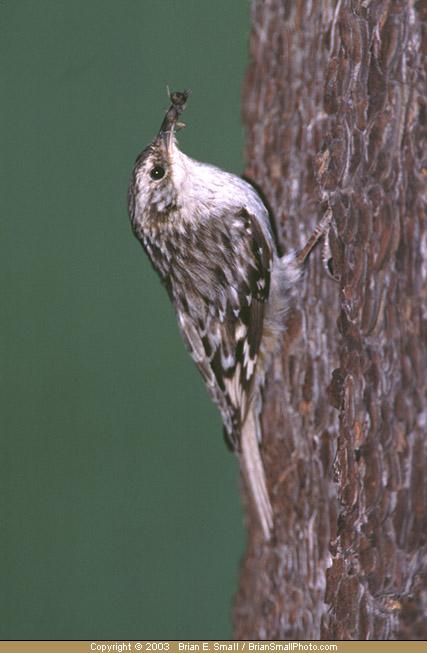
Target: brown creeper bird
column 209, row 237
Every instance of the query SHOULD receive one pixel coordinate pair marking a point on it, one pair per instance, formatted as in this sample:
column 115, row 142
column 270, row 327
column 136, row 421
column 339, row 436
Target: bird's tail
column 253, row 470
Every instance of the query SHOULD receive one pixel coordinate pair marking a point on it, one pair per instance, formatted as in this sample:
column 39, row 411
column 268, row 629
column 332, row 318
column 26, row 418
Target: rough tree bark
column 335, row 111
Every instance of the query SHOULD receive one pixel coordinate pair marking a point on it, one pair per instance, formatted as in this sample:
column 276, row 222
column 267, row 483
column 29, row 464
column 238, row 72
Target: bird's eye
column 157, row 172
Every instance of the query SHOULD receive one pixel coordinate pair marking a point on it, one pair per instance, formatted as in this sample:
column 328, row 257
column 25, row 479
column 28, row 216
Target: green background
column 120, row 509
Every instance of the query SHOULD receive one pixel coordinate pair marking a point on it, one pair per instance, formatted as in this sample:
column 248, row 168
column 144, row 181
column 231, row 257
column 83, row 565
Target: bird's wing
column 225, row 343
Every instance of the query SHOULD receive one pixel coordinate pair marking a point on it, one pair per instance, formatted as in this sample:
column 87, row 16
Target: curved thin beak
column 167, row 128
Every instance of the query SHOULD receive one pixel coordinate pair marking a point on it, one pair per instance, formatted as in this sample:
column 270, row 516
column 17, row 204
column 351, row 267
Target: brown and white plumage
column 208, row 235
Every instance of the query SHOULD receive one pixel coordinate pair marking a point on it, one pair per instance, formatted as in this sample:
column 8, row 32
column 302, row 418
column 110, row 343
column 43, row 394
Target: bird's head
column 152, row 188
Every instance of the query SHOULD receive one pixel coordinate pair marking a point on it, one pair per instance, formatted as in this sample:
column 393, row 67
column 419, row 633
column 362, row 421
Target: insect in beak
column 166, row 131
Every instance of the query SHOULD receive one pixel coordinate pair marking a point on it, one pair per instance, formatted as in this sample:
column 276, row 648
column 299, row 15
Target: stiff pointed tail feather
column 253, row 471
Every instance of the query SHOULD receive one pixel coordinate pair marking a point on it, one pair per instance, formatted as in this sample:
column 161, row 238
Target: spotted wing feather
column 224, row 344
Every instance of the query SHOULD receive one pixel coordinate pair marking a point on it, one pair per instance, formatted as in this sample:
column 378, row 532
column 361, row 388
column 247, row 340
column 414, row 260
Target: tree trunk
column 335, row 111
